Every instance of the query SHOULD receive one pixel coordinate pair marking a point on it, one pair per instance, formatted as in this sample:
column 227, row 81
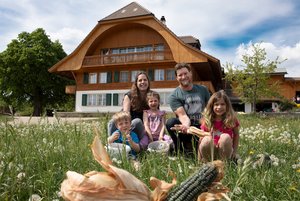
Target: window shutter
column 115, row 99
column 84, row 99
column 116, row 76
column 109, row 76
column 85, row 78
column 108, row 99
column 150, row 74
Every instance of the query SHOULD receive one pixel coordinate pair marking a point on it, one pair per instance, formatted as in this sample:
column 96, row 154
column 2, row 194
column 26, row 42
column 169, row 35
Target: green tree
column 24, row 76
column 251, row 81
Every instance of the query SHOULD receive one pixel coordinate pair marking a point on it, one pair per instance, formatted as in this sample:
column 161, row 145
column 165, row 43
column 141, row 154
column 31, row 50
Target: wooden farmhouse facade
column 288, row 87
column 121, row 45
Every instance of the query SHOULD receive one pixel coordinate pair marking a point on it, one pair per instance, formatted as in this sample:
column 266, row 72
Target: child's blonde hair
column 122, row 115
column 229, row 117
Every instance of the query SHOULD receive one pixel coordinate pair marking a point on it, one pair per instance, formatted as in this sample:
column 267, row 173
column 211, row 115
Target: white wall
column 112, row 109
column 248, row 108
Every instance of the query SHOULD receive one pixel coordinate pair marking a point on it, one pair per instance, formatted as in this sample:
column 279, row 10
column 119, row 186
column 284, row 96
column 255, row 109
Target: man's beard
column 185, row 83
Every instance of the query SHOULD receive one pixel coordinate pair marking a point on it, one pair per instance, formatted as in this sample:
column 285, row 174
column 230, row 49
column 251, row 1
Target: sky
column 226, row 28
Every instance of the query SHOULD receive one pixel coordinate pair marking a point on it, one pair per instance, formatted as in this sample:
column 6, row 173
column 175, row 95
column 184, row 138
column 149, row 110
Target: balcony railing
column 135, row 57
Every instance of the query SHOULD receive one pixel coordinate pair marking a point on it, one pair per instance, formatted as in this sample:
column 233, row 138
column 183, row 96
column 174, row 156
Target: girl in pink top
column 154, row 119
column 219, row 119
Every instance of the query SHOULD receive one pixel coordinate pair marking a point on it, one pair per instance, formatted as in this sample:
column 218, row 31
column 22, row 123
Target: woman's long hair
column 138, row 102
column 228, row 118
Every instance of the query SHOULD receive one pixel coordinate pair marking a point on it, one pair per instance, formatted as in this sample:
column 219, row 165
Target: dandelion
column 298, row 170
column 251, row 152
column 293, row 188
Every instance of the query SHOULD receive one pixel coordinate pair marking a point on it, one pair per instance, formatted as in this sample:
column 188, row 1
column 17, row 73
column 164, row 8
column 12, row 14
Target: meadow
column 35, row 158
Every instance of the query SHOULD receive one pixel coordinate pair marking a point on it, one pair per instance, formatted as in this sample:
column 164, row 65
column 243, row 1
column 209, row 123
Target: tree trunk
column 37, row 109
column 37, row 103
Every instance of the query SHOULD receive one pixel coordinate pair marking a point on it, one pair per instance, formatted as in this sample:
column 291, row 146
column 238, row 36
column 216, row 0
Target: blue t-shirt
column 134, row 138
column 193, row 102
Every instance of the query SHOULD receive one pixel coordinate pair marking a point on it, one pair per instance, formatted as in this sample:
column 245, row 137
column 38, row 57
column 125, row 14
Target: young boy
column 123, row 134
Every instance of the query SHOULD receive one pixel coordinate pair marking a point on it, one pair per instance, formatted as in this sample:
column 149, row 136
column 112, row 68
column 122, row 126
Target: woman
column 135, row 102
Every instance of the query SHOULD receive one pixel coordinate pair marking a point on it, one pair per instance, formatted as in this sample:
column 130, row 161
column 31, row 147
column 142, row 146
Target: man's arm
column 183, row 118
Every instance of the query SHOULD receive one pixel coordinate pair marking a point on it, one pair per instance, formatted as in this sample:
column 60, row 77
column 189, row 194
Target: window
column 103, row 77
column 94, row 99
column 104, row 51
column 120, row 99
column 159, row 54
column 148, row 48
column 159, row 74
column 124, row 76
column 133, row 74
column 115, row 51
column 164, row 98
column 92, row 78
column 102, row 99
column 159, row 47
column 91, row 99
column 170, row 73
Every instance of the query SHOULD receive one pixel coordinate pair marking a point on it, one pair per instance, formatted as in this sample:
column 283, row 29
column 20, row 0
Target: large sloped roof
column 131, row 10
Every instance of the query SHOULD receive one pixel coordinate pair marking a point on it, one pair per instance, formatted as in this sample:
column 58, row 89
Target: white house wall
column 104, row 109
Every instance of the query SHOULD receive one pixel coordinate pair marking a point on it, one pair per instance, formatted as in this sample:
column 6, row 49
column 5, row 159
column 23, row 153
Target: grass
column 35, row 158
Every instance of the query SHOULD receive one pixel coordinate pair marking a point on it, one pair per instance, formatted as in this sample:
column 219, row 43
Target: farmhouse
column 131, row 40
column 288, row 88
column 124, row 43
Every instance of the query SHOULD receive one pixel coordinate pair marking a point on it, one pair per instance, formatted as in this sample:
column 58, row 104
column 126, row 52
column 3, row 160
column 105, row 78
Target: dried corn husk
column 117, row 184
column 198, row 132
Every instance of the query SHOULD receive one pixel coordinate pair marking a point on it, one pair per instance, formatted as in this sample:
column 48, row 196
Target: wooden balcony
column 135, row 57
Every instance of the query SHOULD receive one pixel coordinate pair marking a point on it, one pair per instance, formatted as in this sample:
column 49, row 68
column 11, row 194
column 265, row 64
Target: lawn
column 35, row 158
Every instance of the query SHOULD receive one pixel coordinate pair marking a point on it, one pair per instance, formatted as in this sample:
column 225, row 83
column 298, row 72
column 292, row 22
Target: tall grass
column 35, row 158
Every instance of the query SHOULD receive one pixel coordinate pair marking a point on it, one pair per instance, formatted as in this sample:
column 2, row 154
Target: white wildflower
column 44, row 140
column 21, row 175
column 179, row 168
column 10, row 165
column 115, row 160
column 172, row 158
column 35, row 197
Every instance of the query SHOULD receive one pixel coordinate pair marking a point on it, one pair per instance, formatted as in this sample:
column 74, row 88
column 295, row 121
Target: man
column 187, row 101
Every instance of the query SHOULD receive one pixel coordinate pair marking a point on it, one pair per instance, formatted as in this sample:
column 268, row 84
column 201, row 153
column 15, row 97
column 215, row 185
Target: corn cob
column 196, row 184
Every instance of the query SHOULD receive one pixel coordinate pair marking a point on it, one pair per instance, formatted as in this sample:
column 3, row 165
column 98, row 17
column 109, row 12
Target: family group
column 141, row 120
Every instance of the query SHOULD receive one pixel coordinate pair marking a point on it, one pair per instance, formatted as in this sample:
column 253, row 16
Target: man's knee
column 171, row 122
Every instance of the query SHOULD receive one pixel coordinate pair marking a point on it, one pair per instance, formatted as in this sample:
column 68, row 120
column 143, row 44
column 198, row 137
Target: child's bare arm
column 162, row 131
column 146, row 125
column 113, row 137
column 133, row 145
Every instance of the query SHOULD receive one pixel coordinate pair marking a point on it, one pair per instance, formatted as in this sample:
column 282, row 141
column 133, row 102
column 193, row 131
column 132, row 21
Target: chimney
column 163, row 20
